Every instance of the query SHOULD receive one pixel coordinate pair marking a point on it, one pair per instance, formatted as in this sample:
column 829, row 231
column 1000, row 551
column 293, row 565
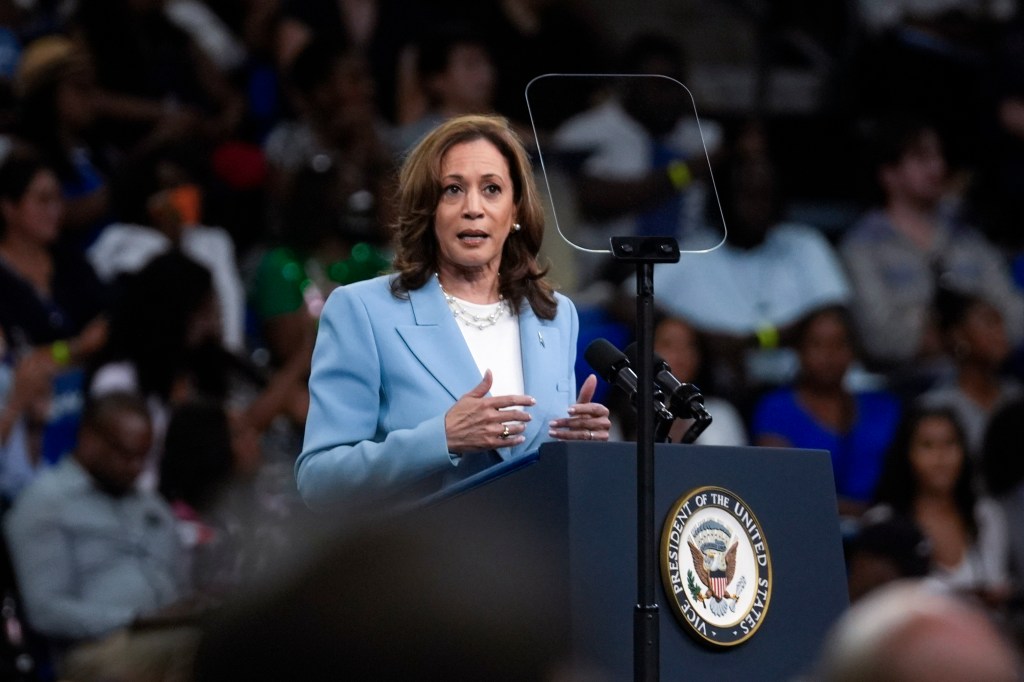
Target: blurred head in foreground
column 908, row 631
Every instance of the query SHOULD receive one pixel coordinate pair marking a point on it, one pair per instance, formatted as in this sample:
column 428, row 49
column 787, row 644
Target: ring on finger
column 590, row 435
column 505, row 433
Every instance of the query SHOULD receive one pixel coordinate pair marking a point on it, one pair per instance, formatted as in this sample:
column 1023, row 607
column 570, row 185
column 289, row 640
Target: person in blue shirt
column 819, row 412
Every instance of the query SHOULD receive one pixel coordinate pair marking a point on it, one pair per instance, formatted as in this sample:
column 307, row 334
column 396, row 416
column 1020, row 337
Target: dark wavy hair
column 149, row 325
column 898, row 486
column 17, row 172
column 416, row 248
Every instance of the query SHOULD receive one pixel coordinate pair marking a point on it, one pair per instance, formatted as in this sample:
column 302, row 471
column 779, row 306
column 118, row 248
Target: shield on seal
column 719, row 581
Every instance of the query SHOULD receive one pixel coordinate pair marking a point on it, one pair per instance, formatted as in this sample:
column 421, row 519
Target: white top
column 726, row 424
column 736, row 291
column 986, row 563
column 495, row 347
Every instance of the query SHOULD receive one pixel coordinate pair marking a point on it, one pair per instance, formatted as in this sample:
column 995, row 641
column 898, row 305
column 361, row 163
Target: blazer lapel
column 437, row 343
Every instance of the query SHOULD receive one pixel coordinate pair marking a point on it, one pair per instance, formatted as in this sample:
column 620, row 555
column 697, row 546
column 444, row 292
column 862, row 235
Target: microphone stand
column 645, row 252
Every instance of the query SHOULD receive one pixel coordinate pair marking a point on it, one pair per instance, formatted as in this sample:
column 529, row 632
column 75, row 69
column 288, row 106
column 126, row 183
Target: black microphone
column 685, row 401
column 612, row 366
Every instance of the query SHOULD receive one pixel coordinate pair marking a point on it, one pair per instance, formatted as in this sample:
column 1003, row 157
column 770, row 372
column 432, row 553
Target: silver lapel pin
column 541, row 337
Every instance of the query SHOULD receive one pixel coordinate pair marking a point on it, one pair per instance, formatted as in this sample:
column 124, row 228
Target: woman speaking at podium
column 464, row 356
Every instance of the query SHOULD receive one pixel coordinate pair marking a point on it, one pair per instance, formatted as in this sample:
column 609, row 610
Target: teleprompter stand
column 644, row 252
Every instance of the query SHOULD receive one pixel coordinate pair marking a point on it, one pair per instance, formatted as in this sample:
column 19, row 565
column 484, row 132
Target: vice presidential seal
column 715, row 566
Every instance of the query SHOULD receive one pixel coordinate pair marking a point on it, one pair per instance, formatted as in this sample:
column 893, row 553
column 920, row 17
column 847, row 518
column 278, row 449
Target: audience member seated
column 643, row 147
column 54, row 306
column 252, row 27
column 898, row 253
column 51, row 295
column 337, row 128
column 57, row 113
column 172, row 353
column 973, row 331
column 375, row 30
column 155, row 84
column 928, row 477
column 907, row 632
column 92, row 552
column 317, row 252
column 682, row 348
column 748, row 295
column 818, row 411
column 455, row 74
column 165, row 352
column 159, row 206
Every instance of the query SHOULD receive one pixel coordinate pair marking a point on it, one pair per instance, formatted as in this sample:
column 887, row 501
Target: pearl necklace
column 472, row 319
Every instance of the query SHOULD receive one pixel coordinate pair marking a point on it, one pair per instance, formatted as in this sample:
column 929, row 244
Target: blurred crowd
column 183, row 182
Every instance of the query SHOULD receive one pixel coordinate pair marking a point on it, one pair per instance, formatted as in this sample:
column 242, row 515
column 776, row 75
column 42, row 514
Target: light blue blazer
column 385, row 371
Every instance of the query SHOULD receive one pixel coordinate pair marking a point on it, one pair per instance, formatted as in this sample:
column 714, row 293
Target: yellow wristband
column 768, row 336
column 679, row 174
column 61, row 353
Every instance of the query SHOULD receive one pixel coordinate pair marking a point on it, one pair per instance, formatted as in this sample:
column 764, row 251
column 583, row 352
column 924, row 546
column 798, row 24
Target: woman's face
column 36, row 216
column 469, row 79
column 936, row 455
column 825, row 352
column 676, row 342
column 920, row 174
column 983, row 333
column 476, row 210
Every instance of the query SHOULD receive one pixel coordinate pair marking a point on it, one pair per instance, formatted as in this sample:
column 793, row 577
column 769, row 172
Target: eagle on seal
column 715, row 566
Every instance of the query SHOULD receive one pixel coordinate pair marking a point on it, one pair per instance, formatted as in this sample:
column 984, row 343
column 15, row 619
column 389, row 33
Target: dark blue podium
column 579, row 500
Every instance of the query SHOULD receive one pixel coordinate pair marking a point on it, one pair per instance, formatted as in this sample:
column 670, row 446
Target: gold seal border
column 667, row 584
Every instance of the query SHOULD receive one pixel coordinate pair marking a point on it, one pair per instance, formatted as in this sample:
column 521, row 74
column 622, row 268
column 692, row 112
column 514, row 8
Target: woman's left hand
column 586, row 421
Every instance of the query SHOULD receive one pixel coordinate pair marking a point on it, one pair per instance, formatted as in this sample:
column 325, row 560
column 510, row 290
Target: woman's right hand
column 477, row 422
